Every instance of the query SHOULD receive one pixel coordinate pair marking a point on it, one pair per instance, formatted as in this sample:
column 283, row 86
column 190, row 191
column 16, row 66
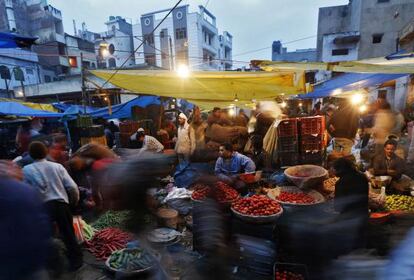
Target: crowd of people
column 66, row 183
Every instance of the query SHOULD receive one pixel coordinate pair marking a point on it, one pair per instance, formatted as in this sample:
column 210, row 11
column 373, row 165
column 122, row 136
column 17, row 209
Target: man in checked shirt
column 149, row 143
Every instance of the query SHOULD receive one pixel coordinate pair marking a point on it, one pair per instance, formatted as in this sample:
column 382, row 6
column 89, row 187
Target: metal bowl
column 305, row 176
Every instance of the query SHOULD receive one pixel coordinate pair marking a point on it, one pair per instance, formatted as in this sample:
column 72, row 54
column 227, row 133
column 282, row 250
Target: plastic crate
column 312, row 125
column 299, row 269
column 288, row 144
column 288, row 128
column 288, row 159
column 312, row 158
column 311, row 143
column 128, row 127
column 92, row 131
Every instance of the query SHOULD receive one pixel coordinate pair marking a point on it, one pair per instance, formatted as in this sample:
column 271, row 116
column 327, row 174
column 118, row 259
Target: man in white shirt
column 149, row 143
column 56, row 189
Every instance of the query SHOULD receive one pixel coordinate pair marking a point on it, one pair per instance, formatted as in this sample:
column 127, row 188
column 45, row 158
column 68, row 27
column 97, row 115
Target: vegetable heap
column 296, row 197
column 257, row 205
column 399, row 202
column 130, row 260
column 87, row 230
column 286, row 275
column 221, row 191
column 111, row 219
column 107, row 241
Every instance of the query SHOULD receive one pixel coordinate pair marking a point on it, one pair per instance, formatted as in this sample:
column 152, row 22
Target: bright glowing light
column 19, row 93
column 236, row 99
column 300, row 104
column 232, row 112
column 283, row 104
column 337, row 91
column 183, row 71
column 106, row 98
column 357, row 99
column 363, row 108
column 105, row 53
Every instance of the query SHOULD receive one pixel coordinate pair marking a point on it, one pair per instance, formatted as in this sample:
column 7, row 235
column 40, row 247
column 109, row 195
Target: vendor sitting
column 230, row 164
column 149, row 143
column 389, row 164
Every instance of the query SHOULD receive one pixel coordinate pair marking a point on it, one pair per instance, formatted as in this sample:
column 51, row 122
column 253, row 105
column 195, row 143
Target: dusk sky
column 254, row 24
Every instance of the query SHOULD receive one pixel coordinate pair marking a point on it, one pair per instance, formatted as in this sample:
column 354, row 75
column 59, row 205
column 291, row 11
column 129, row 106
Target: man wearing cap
column 149, row 143
column 186, row 142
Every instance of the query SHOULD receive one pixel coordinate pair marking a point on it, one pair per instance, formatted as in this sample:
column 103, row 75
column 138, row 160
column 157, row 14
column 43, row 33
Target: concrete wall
column 329, row 46
column 387, row 18
column 298, row 56
column 332, row 20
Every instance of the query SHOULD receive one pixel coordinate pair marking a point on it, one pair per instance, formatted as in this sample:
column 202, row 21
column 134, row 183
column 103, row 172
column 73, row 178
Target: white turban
column 140, row 130
column 182, row 116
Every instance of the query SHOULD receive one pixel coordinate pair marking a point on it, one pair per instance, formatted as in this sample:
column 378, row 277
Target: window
column 382, row 93
column 340, row 52
column 29, row 71
column 383, row 1
column 377, row 38
column 111, row 62
column 48, row 79
column 150, row 59
column 73, row 62
column 181, row 33
column 149, row 39
column 162, row 34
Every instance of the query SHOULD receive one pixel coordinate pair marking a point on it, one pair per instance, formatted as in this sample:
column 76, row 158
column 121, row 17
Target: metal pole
column 83, row 84
column 171, row 54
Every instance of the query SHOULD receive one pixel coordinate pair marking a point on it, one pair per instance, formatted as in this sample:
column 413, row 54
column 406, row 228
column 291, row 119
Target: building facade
column 77, row 48
column 118, row 43
column 18, row 68
column 406, row 37
column 361, row 29
column 36, row 18
column 279, row 53
column 185, row 37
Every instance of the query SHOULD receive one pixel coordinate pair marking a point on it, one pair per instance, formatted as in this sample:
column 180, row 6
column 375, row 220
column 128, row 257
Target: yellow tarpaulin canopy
column 37, row 106
column 377, row 65
column 209, row 89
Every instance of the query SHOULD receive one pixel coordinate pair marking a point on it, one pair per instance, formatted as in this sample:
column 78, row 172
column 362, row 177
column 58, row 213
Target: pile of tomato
column 225, row 193
column 200, row 192
column 257, row 205
column 296, row 197
column 221, row 191
column 286, row 275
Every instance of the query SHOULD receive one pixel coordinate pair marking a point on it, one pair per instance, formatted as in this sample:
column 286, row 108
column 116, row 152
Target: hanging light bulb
column 283, row 104
column 236, row 99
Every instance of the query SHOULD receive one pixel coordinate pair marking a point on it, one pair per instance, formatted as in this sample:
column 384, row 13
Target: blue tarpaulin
column 17, row 109
column 10, row 40
column 69, row 109
column 349, row 82
column 124, row 110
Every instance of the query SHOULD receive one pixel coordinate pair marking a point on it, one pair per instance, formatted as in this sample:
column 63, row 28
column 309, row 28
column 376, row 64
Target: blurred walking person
column 56, row 189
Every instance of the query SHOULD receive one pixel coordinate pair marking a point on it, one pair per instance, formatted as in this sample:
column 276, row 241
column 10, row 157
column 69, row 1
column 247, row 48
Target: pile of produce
column 296, row 197
column 287, row 275
column 329, row 184
column 87, row 230
column 130, row 260
column 221, row 191
column 257, row 205
column 111, row 219
column 106, row 241
column 399, row 202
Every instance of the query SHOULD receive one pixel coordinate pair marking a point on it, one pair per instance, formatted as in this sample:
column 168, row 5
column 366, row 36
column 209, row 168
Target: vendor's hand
column 174, row 139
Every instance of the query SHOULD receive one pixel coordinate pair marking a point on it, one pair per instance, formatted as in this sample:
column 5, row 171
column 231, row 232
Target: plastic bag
column 78, row 228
